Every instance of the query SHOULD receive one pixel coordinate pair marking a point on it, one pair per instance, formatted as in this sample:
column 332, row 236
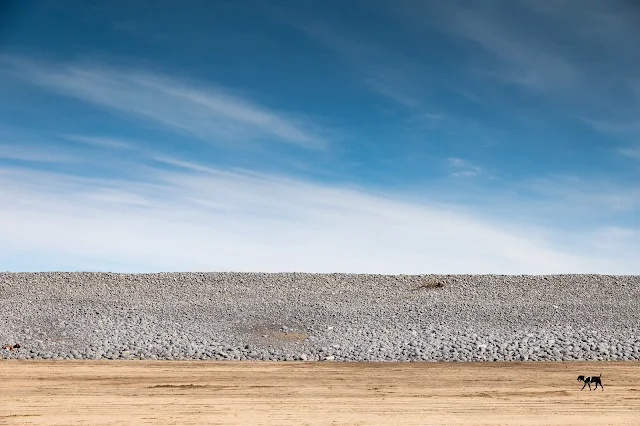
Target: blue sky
column 382, row 137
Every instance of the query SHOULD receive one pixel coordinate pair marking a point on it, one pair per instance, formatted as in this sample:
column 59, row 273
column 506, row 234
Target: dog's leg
column 590, row 386
column 585, row 384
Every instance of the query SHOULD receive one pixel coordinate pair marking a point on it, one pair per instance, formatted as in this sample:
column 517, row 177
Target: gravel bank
column 233, row 316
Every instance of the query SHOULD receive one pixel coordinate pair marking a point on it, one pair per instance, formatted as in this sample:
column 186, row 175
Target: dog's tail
column 600, row 376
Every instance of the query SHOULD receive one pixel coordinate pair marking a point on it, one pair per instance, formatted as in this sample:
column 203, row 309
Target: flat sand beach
column 315, row 393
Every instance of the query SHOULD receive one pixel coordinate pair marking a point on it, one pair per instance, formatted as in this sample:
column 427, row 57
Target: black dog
column 591, row 379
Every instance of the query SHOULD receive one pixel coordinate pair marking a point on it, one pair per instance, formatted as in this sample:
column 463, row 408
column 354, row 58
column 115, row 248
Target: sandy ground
column 241, row 393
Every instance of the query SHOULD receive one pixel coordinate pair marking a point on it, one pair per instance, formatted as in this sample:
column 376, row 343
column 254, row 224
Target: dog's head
column 581, row 378
column 17, row 346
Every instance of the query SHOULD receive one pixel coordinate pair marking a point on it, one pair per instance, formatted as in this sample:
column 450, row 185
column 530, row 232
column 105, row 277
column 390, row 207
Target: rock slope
column 293, row 316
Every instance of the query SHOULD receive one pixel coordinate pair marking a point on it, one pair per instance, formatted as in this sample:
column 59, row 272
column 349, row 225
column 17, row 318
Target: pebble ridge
column 320, row 317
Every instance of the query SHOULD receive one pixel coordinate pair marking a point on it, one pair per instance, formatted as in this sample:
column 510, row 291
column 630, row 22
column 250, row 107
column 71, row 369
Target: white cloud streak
column 544, row 47
column 207, row 219
column 547, row 48
column 101, row 142
column 20, row 152
column 206, row 112
column 391, row 91
column 631, row 152
column 386, row 72
column 463, row 168
column 588, row 193
column 526, row 60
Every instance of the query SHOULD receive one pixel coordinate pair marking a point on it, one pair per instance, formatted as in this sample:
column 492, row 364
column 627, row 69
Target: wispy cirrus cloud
column 385, row 71
column 463, row 168
column 631, row 152
column 578, row 58
column 463, row 83
column 595, row 201
column 617, row 127
column 529, row 63
column 627, row 131
column 102, row 142
column 204, row 111
column 507, row 49
column 20, row 152
column 510, row 32
column 392, row 91
column 231, row 219
column 243, row 221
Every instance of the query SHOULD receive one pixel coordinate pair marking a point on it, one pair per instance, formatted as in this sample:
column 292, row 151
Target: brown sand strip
column 241, row 393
